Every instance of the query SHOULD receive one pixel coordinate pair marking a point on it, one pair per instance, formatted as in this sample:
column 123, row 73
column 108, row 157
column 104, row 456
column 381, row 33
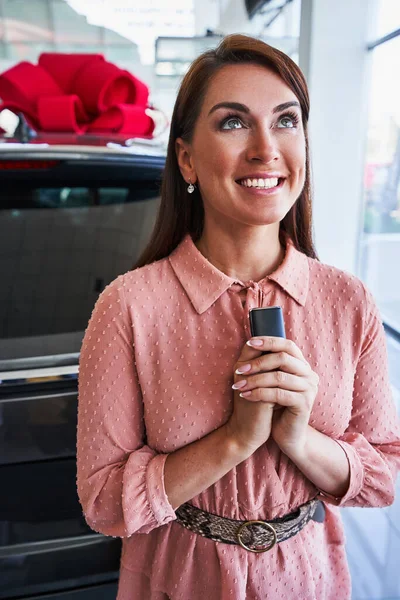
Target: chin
column 259, row 222
column 271, row 218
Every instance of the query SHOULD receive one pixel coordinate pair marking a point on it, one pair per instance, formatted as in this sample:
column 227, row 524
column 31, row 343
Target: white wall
column 206, row 15
column 333, row 57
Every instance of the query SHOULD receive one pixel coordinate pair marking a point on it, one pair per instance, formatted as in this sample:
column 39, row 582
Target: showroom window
column 30, row 27
column 380, row 236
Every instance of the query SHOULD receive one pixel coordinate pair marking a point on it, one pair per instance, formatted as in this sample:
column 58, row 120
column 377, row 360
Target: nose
column 263, row 145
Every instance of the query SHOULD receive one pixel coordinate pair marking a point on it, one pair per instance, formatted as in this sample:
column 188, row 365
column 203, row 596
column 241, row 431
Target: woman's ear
column 185, row 161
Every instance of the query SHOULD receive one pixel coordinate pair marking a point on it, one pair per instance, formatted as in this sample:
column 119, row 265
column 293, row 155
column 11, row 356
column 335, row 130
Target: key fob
column 267, row 321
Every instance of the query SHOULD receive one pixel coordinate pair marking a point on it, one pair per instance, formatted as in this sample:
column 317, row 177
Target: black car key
column 267, row 321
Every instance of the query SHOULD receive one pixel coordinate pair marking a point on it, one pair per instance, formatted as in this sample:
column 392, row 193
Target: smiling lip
column 261, row 176
column 260, row 190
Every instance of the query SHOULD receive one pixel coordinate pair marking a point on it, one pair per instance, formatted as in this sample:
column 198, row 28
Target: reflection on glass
column 30, row 27
column 388, row 17
column 59, row 247
column 380, row 241
column 27, row 21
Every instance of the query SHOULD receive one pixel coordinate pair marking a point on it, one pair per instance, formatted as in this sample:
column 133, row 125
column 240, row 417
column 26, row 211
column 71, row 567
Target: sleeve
column 372, row 439
column 120, row 479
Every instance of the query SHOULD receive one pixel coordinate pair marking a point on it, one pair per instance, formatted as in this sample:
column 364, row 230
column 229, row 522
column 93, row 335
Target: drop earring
column 190, row 188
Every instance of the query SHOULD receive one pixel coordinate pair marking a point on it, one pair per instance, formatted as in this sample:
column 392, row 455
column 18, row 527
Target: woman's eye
column 232, row 123
column 288, row 122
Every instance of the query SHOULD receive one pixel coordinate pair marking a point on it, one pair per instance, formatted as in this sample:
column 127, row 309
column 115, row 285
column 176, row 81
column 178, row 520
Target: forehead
column 256, row 86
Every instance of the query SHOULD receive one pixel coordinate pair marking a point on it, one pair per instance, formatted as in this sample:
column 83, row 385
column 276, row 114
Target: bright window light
column 140, row 21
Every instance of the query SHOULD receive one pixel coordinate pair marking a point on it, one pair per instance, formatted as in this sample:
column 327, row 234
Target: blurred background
column 349, row 51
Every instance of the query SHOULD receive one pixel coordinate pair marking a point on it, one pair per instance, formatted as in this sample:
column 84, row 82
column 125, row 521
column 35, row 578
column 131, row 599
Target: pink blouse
column 156, row 370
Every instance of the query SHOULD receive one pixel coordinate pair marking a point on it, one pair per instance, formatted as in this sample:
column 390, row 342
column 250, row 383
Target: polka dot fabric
column 156, row 369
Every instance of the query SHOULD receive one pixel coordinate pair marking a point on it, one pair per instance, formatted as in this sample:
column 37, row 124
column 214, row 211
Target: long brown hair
column 177, row 216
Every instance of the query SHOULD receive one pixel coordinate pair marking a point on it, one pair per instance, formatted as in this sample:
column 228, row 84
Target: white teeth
column 260, row 183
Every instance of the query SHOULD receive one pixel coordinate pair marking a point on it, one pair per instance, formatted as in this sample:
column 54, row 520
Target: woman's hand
column 282, row 388
column 250, row 422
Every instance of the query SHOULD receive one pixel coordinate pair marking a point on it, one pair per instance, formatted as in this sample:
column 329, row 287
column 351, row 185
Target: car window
column 60, row 246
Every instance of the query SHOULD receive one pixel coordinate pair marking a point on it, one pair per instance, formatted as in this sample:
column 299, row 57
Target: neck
column 258, row 252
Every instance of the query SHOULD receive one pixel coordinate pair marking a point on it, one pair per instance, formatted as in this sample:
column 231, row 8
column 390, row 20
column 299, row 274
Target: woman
column 170, row 457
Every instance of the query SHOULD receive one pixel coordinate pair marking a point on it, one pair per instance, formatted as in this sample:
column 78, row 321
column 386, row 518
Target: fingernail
column 245, row 394
column 239, row 384
column 243, row 369
column 255, row 342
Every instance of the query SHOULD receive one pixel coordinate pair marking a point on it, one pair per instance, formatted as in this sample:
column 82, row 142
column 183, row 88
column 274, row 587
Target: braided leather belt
column 254, row 536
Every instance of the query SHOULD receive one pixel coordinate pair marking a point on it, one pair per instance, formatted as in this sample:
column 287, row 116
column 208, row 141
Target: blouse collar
column 204, row 283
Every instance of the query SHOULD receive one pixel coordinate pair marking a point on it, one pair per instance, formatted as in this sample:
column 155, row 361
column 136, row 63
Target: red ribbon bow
column 77, row 93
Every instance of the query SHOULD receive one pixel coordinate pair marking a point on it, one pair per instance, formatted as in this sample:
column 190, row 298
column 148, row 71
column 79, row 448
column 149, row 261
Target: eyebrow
column 245, row 109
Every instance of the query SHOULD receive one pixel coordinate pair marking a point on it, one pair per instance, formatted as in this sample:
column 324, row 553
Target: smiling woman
column 247, row 154
column 233, row 70
column 221, row 460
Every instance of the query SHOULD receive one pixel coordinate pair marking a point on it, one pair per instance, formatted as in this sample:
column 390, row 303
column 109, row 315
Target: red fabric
column 64, row 68
column 24, row 83
column 61, row 113
column 122, row 118
column 77, row 93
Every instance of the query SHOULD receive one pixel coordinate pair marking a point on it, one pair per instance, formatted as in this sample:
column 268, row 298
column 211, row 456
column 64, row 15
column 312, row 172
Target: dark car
column 74, row 214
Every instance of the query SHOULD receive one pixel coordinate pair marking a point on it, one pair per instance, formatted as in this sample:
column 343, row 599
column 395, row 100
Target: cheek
column 214, row 162
column 298, row 158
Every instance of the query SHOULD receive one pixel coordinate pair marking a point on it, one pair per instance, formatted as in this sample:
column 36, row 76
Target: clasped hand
column 274, row 395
